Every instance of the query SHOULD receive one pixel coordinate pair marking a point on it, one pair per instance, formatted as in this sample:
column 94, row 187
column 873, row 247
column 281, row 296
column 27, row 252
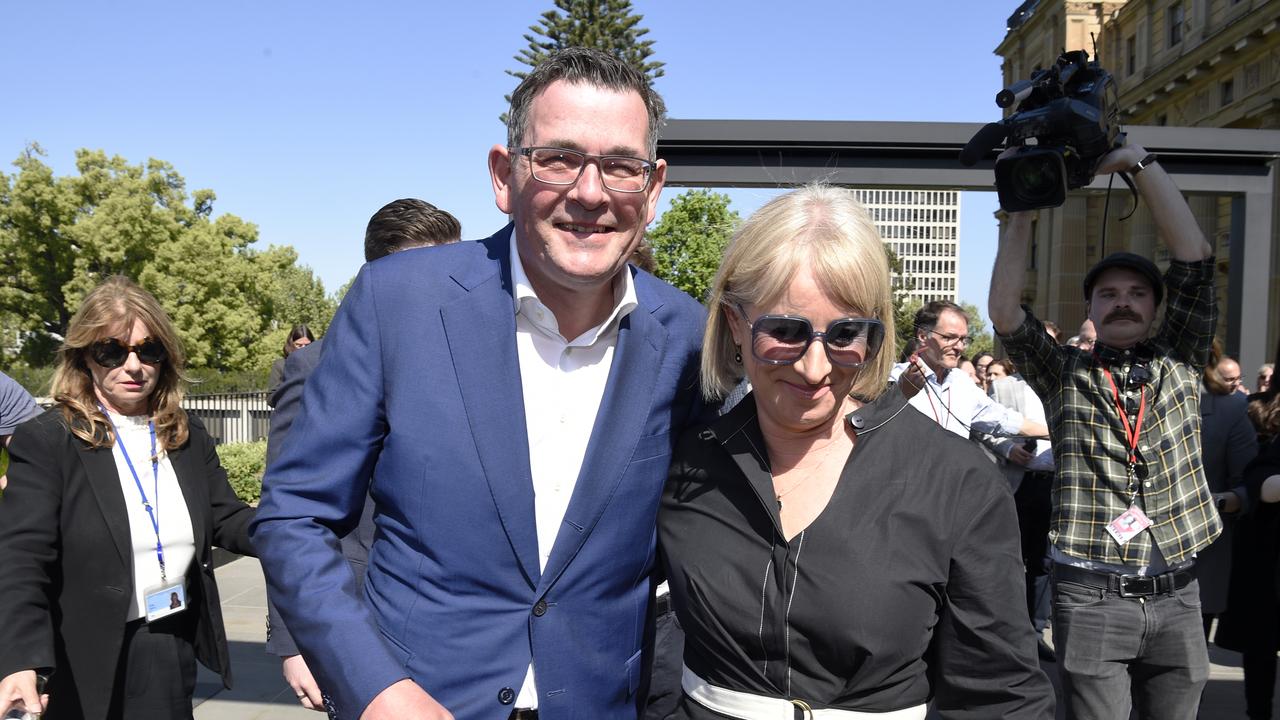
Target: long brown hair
column 117, row 302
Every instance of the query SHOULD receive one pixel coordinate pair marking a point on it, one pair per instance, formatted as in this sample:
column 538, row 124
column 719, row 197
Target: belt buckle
column 1137, row 586
column 803, row 708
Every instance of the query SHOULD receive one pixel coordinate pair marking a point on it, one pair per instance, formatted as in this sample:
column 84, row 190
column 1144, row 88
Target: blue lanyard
column 155, row 475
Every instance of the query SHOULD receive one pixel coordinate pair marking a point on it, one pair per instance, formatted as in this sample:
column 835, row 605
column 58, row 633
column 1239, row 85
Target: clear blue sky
column 307, row 117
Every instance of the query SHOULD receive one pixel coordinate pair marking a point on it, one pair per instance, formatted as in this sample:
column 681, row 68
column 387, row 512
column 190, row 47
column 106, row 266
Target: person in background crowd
column 763, row 504
column 1086, row 336
column 999, row 369
column 115, row 501
column 966, row 366
column 1264, row 376
column 16, row 407
column 1054, row 331
column 512, row 404
column 981, row 362
column 1227, row 444
column 1251, row 624
column 1131, row 507
column 299, row 337
column 950, row 398
column 1264, row 410
column 1228, row 371
column 1028, row 466
column 399, row 225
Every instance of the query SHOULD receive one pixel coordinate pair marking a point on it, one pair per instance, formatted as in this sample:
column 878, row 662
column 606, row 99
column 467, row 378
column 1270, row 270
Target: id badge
column 166, row 599
column 1128, row 524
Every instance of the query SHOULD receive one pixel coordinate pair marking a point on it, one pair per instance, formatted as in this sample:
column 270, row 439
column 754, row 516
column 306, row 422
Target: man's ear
column 500, row 174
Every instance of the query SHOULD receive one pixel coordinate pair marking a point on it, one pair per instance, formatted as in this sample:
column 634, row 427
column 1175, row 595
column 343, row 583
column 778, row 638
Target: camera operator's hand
column 1121, row 158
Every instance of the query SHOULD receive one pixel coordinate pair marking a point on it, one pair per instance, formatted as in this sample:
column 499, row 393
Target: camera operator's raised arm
column 1009, row 275
column 1176, row 225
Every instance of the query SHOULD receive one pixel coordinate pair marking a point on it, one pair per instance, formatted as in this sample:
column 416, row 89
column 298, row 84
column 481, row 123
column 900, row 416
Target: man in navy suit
column 510, row 405
column 401, row 224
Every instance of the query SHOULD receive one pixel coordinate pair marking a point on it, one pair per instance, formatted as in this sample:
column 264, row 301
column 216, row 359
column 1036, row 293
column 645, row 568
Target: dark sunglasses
column 784, row 339
column 111, row 353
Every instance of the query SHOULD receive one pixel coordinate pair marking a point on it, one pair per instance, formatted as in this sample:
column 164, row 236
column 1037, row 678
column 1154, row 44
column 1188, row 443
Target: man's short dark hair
column 927, row 316
column 583, row 65
column 408, row 223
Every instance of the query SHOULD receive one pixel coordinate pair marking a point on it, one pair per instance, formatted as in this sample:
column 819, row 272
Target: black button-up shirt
column 908, row 584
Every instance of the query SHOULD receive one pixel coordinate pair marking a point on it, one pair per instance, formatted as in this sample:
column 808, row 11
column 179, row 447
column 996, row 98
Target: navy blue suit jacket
column 417, row 401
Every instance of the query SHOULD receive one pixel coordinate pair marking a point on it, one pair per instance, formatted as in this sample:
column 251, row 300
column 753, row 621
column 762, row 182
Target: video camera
column 1069, row 109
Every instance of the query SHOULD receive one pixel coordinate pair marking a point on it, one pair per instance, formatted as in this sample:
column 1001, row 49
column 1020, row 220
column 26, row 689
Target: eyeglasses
column 784, row 339
column 952, row 339
column 558, row 166
column 111, row 353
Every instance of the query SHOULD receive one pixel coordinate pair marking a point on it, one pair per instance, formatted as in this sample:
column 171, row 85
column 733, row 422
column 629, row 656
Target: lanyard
column 155, row 475
column 942, row 420
column 1131, row 433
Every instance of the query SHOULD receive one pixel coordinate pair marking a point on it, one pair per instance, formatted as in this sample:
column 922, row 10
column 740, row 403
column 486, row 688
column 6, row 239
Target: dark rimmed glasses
column 112, row 353
column 946, row 339
column 783, row 339
column 561, row 166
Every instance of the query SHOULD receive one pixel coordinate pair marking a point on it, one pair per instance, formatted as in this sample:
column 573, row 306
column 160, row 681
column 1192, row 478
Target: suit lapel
column 480, row 328
column 104, row 481
column 620, row 423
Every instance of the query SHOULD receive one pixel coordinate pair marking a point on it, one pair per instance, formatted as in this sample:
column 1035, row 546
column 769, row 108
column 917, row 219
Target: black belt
column 1125, row 585
column 1046, row 475
column 523, row 714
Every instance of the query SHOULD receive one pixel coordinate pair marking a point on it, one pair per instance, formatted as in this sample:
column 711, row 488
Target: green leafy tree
column 608, row 25
column 689, row 240
column 982, row 339
column 60, row 236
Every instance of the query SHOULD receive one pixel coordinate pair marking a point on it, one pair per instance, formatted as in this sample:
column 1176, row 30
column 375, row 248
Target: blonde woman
column 827, row 551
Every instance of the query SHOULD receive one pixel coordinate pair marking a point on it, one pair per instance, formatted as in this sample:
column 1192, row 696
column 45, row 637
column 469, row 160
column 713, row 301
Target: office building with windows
column 922, row 227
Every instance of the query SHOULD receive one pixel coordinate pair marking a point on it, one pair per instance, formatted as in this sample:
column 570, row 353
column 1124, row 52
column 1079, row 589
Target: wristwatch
column 1142, row 164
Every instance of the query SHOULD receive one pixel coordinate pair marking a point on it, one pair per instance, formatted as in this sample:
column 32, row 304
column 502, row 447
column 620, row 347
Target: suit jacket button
column 540, row 608
column 506, row 696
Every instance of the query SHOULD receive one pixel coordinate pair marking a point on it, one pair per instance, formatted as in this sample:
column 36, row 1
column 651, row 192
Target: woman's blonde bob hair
column 819, row 227
column 109, row 309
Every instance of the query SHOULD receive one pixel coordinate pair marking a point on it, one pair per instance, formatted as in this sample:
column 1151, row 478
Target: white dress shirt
column 562, row 382
column 958, row 405
column 166, row 499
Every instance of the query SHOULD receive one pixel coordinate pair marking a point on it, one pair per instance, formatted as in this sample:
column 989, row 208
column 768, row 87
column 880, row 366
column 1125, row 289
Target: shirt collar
column 528, row 305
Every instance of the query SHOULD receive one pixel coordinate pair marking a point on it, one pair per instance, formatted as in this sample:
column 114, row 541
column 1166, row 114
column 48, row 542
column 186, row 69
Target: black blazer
column 67, row 559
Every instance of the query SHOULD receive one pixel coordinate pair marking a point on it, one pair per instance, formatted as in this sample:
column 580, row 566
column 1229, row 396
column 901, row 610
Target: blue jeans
column 1116, row 652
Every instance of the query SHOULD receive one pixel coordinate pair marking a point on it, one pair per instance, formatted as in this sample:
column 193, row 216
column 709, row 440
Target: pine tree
column 608, row 25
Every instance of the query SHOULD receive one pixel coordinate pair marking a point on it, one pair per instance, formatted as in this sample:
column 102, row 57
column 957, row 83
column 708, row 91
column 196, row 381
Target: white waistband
column 747, row 706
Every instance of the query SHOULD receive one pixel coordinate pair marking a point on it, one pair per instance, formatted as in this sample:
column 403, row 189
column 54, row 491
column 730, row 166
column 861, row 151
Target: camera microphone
column 991, row 135
column 1015, row 93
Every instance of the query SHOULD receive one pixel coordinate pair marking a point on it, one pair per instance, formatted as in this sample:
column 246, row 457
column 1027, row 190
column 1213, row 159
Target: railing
column 232, row 417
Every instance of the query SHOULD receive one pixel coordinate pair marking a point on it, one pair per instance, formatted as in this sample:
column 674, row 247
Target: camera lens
column 1037, row 178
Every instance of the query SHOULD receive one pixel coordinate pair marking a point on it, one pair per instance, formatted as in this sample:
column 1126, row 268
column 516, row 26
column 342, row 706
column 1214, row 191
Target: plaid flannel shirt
column 1089, row 446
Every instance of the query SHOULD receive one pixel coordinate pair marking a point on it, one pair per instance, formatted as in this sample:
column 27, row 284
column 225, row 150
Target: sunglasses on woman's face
column 784, row 339
column 111, row 353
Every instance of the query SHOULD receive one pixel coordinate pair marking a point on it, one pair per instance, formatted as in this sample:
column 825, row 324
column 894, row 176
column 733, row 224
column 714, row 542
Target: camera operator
column 1131, row 506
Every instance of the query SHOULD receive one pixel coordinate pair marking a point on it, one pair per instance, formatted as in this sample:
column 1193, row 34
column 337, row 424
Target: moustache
column 1122, row 314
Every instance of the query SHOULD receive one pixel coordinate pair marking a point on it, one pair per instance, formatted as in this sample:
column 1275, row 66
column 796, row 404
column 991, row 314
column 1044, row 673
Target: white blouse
column 166, row 498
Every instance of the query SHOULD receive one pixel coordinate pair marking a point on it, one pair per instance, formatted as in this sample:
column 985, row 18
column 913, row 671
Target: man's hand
column 404, row 700
column 1019, row 456
column 1009, row 276
column 18, row 691
column 299, row 677
column 912, row 379
column 1230, row 502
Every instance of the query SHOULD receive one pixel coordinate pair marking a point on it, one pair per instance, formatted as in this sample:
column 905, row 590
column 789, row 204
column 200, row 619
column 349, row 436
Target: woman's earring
column 737, row 354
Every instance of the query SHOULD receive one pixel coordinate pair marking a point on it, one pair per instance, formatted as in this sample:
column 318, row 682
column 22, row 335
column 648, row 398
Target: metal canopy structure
column 789, row 153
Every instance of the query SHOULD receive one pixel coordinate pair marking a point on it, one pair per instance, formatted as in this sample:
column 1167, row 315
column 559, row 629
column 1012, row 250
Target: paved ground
column 260, row 691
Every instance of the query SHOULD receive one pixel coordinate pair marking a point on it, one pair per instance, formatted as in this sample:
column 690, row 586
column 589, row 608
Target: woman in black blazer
column 115, row 500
